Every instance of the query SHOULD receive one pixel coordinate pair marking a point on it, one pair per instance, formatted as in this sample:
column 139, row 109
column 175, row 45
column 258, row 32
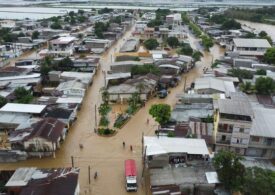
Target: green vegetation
column 259, row 181
column 134, row 103
column 127, row 58
column 240, row 73
column 262, row 15
column 207, row 42
column 105, row 10
column 116, row 19
column 106, row 131
column 231, row 24
column 162, row 13
column 154, row 23
column 22, row 95
column 121, row 120
column 197, row 56
column 7, row 36
column 151, row 44
column 171, row 134
column 145, row 69
column 215, row 64
column 195, row 29
column 101, row 27
column 186, row 49
column 230, row 170
column 3, row 101
column 56, row 25
column 104, row 122
column 247, row 87
column 104, row 109
column 66, row 63
column 260, row 72
column 237, row 178
column 185, row 18
column 35, row 34
column 105, row 95
column 265, row 85
column 269, row 56
column 161, row 113
column 264, row 35
column 173, row 41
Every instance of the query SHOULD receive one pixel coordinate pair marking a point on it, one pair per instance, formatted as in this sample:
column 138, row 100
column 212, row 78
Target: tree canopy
column 151, row 44
column 265, row 85
column 3, row 101
column 145, row 69
column 22, row 95
column 161, row 113
column 173, row 41
column 230, row 170
column 240, row 73
column 269, row 56
column 186, row 49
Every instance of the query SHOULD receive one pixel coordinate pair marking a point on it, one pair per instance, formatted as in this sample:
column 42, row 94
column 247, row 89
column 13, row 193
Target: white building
column 63, row 46
column 250, row 47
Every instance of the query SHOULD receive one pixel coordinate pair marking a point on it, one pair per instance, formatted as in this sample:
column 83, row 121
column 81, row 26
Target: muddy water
column 270, row 29
column 106, row 155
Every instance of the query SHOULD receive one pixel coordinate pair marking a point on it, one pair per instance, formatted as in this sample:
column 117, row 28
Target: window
column 255, row 139
column 241, row 130
column 223, row 138
column 268, row 141
column 237, row 150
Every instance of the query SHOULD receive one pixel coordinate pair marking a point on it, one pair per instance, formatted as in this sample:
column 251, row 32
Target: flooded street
column 107, row 155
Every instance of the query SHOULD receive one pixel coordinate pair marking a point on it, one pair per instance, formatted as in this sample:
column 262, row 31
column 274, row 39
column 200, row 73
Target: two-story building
column 233, row 123
column 63, row 46
column 250, row 47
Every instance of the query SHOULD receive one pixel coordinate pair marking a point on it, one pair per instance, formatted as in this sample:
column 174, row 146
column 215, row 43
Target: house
column 145, row 85
column 71, row 88
column 97, row 45
column 7, row 23
column 131, row 45
column 178, row 165
column 39, row 139
column 193, row 106
column 26, row 181
column 211, row 85
column 233, row 124
column 174, row 19
column 62, row 46
column 29, row 109
column 140, row 26
column 262, row 136
column 250, row 47
column 124, row 66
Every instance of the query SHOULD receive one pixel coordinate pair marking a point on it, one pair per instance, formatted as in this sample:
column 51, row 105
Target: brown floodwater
column 107, row 155
column 258, row 27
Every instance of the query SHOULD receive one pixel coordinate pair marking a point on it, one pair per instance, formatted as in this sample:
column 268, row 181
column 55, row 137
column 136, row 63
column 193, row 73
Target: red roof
column 130, row 168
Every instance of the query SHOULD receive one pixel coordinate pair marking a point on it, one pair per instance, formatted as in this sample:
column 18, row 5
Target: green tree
column 240, row 73
column 231, row 24
column 134, row 100
column 207, row 42
column 21, row 34
column 161, row 113
column 66, row 62
column 3, row 101
column 265, row 85
column 151, row 44
column 246, row 87
column 22, row 95
column 259, row 181
column 105, row 95
column 197, row 56
column 71, row 14
column 260, row 72
column 230, row 170
column 145, row 69
column 186, row 49
column 173, row 41
column 56, row 25
column 262, row 34
column 269, row 56
column 80, row 12
column 35, row 34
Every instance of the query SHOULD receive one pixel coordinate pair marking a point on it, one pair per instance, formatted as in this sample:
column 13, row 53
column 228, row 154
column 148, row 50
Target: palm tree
column 246, row 87
column 105, row 95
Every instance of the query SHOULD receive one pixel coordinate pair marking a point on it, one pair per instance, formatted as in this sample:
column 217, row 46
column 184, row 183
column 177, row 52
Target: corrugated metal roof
column 166, row 145
column 252, row 43
column 23, row 108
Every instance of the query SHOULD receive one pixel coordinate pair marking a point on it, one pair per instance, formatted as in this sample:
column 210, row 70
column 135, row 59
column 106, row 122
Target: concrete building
column 131, row 45
column 262, row 135
column 233, row 123
column 250, row 47
column 63, row 46
column 72, row 88
column 124, row 66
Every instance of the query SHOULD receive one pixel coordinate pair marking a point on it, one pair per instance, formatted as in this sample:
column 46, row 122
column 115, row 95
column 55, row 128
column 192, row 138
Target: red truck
column 130, row 175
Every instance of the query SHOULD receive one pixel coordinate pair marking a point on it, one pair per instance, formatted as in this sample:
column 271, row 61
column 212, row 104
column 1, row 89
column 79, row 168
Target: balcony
column 224, row 142
column 224, row 130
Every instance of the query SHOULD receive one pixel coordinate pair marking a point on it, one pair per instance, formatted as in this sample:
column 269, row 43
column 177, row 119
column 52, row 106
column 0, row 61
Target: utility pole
column 89, row 172
column 95, row 118
column 72, row 158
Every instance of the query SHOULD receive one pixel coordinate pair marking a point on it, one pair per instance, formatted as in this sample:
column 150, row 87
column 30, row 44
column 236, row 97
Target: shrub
column 121, row 120
column 106, row 131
